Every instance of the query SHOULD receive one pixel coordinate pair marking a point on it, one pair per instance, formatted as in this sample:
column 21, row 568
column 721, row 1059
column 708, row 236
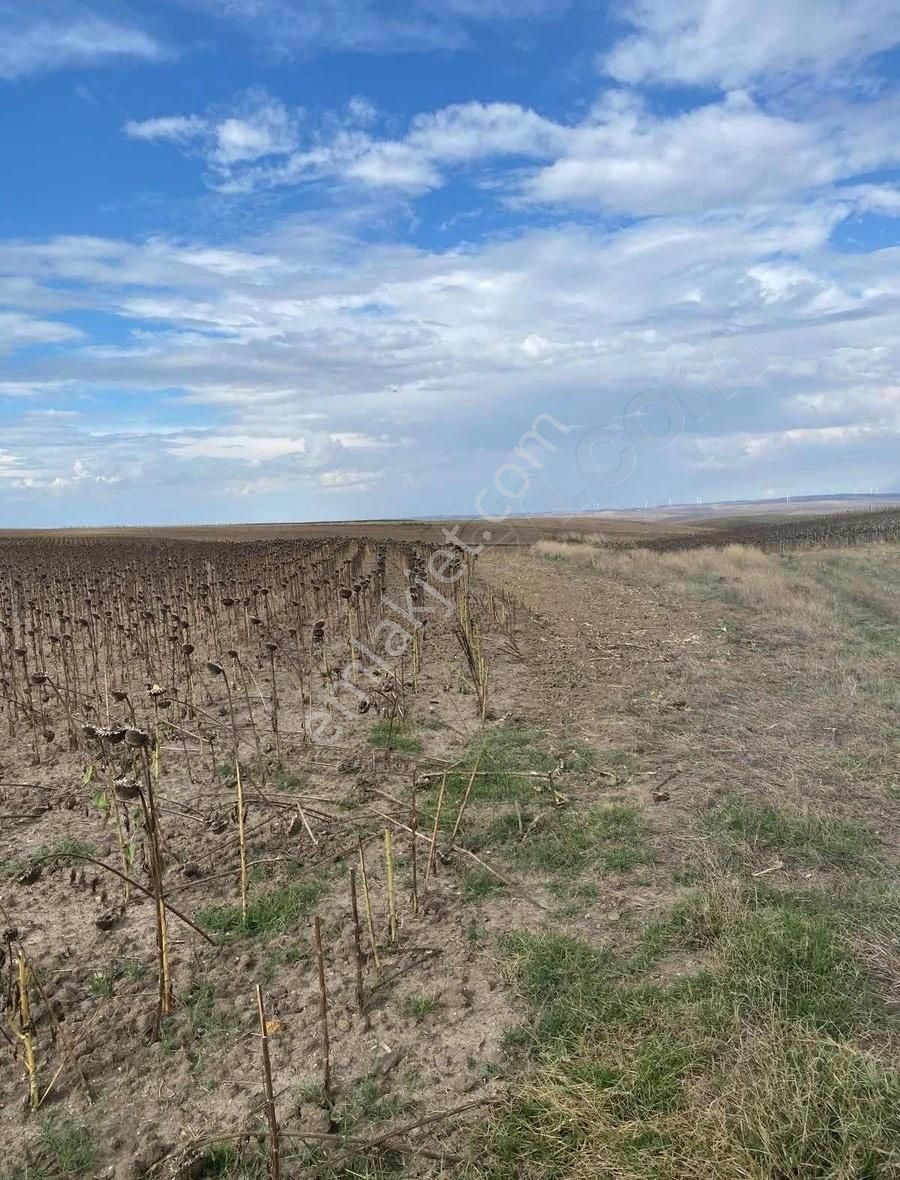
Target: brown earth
column 681, row 692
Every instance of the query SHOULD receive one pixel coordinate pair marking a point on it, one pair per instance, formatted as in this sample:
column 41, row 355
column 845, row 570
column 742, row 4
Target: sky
column 347, row 259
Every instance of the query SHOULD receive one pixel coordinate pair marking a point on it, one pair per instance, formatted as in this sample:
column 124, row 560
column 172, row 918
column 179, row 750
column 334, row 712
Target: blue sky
column 309, row 259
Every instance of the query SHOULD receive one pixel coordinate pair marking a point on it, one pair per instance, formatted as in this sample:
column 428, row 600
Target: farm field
column 328, row 854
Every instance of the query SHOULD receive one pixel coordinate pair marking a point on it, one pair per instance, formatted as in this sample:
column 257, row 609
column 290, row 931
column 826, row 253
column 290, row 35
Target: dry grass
column 756, row 1065
column 794, row 604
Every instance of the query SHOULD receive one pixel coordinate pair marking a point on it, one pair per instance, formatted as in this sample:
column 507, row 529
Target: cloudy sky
column 289, row 259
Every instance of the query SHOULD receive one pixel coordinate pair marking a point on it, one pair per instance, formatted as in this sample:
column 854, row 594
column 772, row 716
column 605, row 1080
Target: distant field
column 617, row 527
column 516, row 531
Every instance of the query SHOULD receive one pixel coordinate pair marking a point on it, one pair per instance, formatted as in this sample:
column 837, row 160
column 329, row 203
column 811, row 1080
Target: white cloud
column 66, row 37
column 245, row 448
column 328, row 353
column 629, row 160
column 877, row 198
column 350, row 481
column 180, row 129
column 316, row 350
column 623, row 157
column 254, row 127
column 735, row 43
column 475, row 130
column 18, row 330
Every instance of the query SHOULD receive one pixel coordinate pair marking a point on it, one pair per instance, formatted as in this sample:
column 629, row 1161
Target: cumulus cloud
column 256, row 126
column 627, row 159
column 314, row 350
column 343, row 148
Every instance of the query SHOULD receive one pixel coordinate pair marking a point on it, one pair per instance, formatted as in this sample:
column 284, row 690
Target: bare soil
column 682, row 696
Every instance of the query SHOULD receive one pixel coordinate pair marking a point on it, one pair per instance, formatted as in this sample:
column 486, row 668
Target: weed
column 65, row 1149
column 100, row 984
column 61, row 852
column 275, row 912
column 364, row 1104
column 475, row 933
column 283, row 779
column 418, row 1007
column 776, row 829
column 224, row 1160
column 513, row 764
column 219, row 1159
column 199, row 1003
column 129, row 968
column 477, row 884
column 226, row 772
column 399, row 735
column 611, row 836
column 310, row 1091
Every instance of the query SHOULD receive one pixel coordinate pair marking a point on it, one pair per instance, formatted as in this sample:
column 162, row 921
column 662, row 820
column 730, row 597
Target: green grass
column 751, row 1065
column 226, row 772
column 65, row 1149
column 276, row 912
column 129, row 968
column 217, row 1160
column 477, row 884
column 199, row 1003
column 64, row 851
column 792, row 833
column 418, row 1007
column 513, row 762
column 224, row 1160
column 100, row 984
column 282, row 779
column 400, row 736
column 363, row 1104
column 610, row 836
column 505, row 753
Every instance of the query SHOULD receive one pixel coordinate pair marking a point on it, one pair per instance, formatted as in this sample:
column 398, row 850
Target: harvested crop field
column 326, row 856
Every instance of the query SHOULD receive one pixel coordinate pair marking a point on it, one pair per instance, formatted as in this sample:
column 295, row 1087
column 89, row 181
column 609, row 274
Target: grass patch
column 793, row 833
column 477, row 884
column 509, row 756
column 100, row 984
column 513, row 764
column 275, row 912
column 611, row 836
column 200, row 1008
column 400, row 736
column 418, row 1007
column 64, row 851
column 283, row 779
column 224, row 1160
column 227, row 773
column 746, row 1067
column 364, row 1104
column 65, row 1149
